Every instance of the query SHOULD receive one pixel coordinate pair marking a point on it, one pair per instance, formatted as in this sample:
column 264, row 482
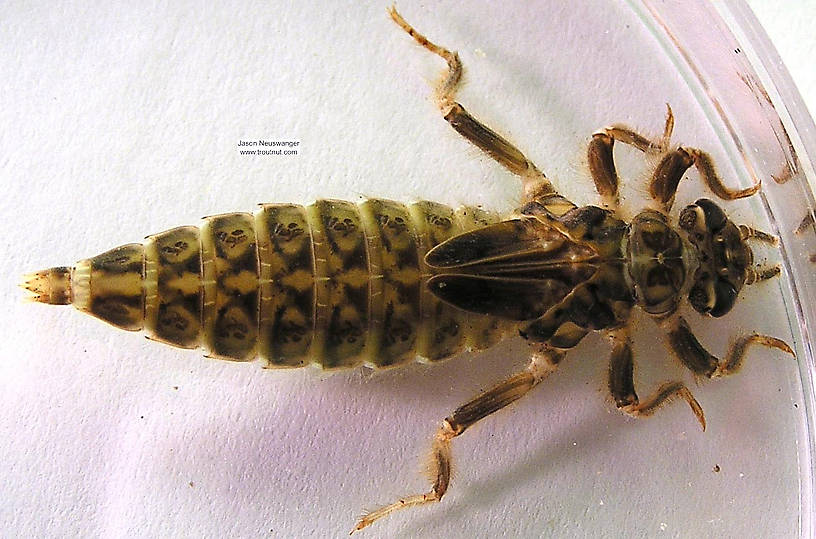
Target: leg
column 671, row 168
column 512, row 389
column 622, row 385
column 669, row 171
column 534, row 182
column 697, row 359
column 602, row 163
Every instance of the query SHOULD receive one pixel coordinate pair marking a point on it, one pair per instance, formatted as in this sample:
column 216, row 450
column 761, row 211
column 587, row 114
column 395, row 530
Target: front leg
column 674, row 165
column 602, row 163
column 699, row 361
column 668, row 173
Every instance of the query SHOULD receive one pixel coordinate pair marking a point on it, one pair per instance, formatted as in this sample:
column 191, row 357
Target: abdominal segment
column 335, row 283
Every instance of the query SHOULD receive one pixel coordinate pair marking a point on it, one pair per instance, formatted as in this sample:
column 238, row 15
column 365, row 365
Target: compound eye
column 688, row 217
column 725, row 295
column 715, row 218
column 699, row 299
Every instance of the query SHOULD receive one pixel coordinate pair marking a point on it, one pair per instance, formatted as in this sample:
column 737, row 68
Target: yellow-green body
column 335, row 284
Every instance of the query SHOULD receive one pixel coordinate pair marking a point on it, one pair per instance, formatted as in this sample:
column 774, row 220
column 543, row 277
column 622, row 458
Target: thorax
column 658, row 262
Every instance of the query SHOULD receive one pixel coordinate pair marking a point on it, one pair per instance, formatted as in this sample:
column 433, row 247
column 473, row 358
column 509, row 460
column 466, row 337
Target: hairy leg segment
column 669, row 171
column 534, row 182
column 542, row 364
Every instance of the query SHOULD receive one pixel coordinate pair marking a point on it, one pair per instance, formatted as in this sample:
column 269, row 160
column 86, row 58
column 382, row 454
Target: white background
column 122, row 121
column 789, row 25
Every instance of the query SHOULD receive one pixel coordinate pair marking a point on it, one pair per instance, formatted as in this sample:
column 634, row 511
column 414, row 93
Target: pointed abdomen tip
column 52, row 286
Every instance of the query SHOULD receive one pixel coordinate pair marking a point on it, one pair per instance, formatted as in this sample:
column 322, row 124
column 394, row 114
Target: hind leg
column 512, row 389
column 535, row 184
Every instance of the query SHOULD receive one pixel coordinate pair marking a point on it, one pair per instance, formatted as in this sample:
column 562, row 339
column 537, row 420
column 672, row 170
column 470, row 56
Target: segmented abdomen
column 334, row 283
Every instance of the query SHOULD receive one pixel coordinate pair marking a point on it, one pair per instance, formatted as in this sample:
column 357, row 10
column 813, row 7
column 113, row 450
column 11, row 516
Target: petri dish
column 127, row 122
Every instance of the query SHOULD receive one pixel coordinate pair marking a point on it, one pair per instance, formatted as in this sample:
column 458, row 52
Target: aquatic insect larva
column 380, row 283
